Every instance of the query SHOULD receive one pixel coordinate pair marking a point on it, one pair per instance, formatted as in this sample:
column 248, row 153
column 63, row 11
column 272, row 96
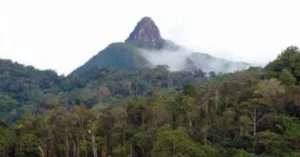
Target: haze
column 62, row 35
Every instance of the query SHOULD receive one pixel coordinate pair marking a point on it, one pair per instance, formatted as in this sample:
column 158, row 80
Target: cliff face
column 146, row 32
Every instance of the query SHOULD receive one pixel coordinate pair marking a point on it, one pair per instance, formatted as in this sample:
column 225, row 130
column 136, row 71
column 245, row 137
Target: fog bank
column 183, row 59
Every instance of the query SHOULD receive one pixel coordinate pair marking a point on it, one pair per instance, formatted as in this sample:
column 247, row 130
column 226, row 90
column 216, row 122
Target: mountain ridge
column 146, row 37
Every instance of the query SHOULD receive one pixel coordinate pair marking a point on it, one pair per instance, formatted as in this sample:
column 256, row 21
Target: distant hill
column 146, row 37
column 24, row 86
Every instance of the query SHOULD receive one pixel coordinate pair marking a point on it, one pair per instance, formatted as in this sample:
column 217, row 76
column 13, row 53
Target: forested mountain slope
column 117, row 56
column 24, row 85
column 24, row 89
column 250, row 113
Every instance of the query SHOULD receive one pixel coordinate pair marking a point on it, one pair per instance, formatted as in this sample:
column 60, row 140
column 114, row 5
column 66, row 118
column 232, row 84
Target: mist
column 174, row 59
column 184, row 59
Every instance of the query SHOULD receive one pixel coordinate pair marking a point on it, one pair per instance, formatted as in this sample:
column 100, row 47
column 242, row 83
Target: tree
column 7, row 139
column 270, row 89
column 269, row 143
column 239, row 153
column 160, row 106
column 175, row 143
column 29, row 146
column 286, row 77
column 258, row 111
column 190, row 91
column 289, row 59
column 138, row 112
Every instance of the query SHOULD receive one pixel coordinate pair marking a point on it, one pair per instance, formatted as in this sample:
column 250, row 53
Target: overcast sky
column 63, row 34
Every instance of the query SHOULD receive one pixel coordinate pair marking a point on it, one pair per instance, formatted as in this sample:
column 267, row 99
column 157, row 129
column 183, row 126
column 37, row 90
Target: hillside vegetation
column 117, row 56
column 153, row 112
column 24, row 89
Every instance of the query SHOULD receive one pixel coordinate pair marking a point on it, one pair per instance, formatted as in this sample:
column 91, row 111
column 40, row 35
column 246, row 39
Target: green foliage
column 239, row 153
column 117, row 56
column 29, row 146
column 22, row 86
column 27, row 90
column 7, row 139
column 190, row 91
column 287, row 78
column 289, row 59
column 7, row 103
column 270, row 143
column 175, row 143
column 155, row 112
column 292, row 154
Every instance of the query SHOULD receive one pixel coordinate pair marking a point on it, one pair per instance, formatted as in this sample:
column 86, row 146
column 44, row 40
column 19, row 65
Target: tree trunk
column 85, row 145
column 74, row 148
column 190, row 126
column 205, row 138
column 51, row 147
column 227, row 101
column 41, row 150
column 123, row 142
column 94, row 147
column 67, row 144
column 206, row 107
column 254, row 128
column 217, row 99
column 83, row 137
column 4, row 153
column 174, row 149
column 78, row 147
column 131, row 150
column 143, row 118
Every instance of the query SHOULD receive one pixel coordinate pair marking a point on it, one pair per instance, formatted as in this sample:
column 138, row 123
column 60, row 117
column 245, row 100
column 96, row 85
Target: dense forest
column 152, row 112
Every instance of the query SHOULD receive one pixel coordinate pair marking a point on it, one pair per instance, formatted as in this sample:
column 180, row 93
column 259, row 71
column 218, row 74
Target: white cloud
column 64, row 34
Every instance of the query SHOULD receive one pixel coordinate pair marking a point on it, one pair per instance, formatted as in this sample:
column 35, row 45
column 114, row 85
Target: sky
column 63, row 34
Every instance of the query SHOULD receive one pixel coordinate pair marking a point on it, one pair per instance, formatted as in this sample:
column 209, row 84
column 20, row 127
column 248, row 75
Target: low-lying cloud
column 183, row 59
column 174, row 59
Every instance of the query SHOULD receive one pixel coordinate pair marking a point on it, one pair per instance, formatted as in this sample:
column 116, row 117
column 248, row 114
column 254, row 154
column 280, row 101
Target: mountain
column 116, row 55
column 146, row 35
column 146, row 48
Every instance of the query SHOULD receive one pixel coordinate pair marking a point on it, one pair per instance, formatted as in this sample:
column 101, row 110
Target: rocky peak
column 146, row 32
